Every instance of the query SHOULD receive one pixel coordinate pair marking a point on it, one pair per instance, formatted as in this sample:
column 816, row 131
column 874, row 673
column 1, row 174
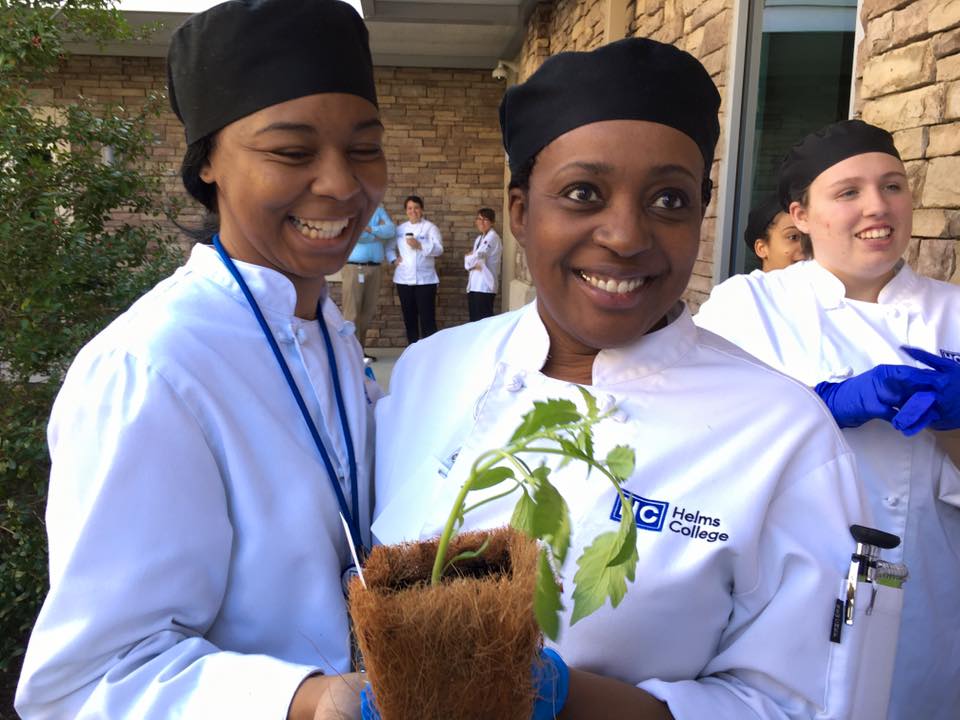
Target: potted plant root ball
column 451, row 627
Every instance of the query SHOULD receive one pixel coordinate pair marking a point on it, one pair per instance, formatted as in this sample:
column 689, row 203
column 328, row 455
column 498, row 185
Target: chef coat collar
column 831, row 292
column 527, row 347
column 273, row 291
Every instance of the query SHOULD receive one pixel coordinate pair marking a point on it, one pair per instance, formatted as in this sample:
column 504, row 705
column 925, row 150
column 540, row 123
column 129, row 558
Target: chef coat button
column 606, row 403
column 892, row 500
column 516, row 383
column 348, row 328
column 618, row 416
column 301, row 335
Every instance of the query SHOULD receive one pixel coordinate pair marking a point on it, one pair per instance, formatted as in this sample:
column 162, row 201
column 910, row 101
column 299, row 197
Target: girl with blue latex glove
column 551, row 677
column 841, row 315
column 902, row 394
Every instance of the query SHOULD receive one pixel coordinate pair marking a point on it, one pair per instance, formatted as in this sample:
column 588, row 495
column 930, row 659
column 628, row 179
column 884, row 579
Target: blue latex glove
column 886, row 393
column 368, row 711
column 947, row 406
column 551, row 678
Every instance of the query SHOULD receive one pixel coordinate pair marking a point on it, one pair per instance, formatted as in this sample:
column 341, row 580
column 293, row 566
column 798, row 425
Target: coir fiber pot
column 461, row 650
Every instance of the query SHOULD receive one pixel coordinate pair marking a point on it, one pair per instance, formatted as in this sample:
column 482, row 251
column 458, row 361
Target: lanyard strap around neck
column 350, row 517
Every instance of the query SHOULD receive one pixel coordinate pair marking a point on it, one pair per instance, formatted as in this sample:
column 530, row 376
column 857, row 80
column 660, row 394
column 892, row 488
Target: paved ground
column 383, row 366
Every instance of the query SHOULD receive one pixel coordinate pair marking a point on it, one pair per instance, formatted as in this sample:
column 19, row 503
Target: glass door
column 798, row 72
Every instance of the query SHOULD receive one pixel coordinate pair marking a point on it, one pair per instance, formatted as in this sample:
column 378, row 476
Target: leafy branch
column 554, row 427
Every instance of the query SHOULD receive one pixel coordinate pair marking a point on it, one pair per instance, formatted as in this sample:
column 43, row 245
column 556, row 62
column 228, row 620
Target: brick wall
column 701, row 28
column 908, row 81
column 442, row 143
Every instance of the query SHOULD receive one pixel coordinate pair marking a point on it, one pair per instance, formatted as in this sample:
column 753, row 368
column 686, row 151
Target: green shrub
column 68, row 266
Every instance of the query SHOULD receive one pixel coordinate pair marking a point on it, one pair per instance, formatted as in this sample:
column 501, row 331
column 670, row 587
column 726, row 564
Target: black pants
column 480, row 305
column 418, row 305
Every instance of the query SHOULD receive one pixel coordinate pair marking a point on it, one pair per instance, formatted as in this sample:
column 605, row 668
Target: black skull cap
column 823, row 149
column 631, row 79
column 244, row 55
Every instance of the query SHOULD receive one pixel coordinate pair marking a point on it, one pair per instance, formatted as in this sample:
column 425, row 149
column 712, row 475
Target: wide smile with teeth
column 875, row 233
column 319, row 229
column 617, row 287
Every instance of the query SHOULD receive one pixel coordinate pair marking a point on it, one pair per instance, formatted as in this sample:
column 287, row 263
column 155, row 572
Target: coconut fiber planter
column 461, row 650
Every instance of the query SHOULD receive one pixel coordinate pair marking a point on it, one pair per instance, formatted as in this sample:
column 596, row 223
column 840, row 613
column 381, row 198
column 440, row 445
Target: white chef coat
column 798, row 321
column 487, row 249
column 417, row 266
column 196, row 548
column 730, row 627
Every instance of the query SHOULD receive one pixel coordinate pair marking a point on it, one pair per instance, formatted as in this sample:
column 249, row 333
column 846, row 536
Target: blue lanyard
column 350, row 517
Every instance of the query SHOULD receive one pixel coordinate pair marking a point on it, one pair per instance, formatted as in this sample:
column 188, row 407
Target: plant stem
column 490, row 458
column 440, row 560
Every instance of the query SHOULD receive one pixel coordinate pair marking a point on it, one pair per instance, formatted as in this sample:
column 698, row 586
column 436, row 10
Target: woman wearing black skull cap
column 206, row 443
column 610, row 153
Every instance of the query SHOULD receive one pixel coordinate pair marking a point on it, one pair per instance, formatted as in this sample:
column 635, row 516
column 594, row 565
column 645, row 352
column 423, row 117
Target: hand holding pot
column 327, row 697
column 551, row 678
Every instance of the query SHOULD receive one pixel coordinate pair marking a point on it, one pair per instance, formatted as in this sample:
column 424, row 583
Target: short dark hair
column 196, row 156
column 194, row 159
column 487, row 214
column 415, row 198
column 760, row 219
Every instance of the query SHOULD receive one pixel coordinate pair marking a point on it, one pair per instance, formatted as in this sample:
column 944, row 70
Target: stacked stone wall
column 908, row 81
column 442, row 143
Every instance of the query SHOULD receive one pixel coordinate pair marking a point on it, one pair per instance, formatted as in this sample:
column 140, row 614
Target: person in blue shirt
column 361, row 275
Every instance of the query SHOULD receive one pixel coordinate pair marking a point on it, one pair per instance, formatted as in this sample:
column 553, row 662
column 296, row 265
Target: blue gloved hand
column 947, row 406
column 551, row 678
column 884, row 393
column 368, row 710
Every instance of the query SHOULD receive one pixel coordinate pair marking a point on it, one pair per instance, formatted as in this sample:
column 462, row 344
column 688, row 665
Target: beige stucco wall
column 908, row 81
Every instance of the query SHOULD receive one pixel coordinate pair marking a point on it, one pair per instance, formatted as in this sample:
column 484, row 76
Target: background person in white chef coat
column 419, row 243
column 838, row 322
column 740, row 558
column 773, row 237
column 196, row 550
column 482, row 264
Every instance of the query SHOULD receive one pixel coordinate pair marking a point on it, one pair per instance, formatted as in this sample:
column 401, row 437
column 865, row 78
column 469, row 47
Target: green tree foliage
column 68, row 266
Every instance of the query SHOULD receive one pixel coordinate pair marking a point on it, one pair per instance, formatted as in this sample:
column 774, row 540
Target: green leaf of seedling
column 546, row 598
column 585, row 443
column 491, row 477
column 467, row 554
column 592, row 410
column 522, row 519
column 621, row 461
column 571, row 452
column 598, row 579
column 546, row 414
column 551, row 519
column 628, row 537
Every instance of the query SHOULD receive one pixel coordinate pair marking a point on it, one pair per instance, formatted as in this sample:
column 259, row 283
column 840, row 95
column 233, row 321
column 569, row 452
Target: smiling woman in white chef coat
column 838, row 322
column 741, row 558
column 196, row 549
